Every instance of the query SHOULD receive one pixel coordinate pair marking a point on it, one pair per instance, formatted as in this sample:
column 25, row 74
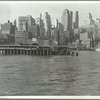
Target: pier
column 33, row 50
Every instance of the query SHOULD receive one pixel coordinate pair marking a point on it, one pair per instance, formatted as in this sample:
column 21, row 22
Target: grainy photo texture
column 49, row 48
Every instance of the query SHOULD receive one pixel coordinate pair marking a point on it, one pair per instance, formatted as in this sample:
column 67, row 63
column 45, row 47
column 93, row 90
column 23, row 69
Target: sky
column 10, row 10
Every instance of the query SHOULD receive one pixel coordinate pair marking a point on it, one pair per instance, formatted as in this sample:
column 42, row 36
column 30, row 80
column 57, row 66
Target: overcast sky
column 10, row 10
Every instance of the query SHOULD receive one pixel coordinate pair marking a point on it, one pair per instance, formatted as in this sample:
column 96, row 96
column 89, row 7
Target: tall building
column 8, row 33
column 77, row 19
column 76, row 26
column 32, row 31
column 70, row 28
column 47, row 25
column 92, row 22
column 70, row 21
column 25, row 21
column 40, row 27
column 15, row 24
column 58, row 33
column 27, row 29
column 61, row 35
column 54, row 33
column 21, row 37
column 27, row 24
column 86, row 21
column 65, row 19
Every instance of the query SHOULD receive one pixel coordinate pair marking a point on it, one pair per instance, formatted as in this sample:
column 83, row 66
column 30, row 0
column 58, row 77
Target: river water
column 53, row 75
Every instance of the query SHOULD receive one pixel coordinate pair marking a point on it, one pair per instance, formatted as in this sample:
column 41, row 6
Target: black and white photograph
column 49, row 48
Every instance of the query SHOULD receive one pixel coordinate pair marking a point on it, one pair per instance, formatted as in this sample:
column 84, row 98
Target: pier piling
column 34, row 50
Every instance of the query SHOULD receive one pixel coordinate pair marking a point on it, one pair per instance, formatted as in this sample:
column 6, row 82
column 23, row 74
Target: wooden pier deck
column 33, row 50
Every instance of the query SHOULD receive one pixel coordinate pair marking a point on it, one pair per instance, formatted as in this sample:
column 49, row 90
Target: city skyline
column 12, row 10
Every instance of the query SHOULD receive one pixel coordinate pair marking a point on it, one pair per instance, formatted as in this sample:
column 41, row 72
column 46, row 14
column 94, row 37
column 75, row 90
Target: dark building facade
column 76, row 23
column 7, row 35
column 71, row 33
column 70, row 20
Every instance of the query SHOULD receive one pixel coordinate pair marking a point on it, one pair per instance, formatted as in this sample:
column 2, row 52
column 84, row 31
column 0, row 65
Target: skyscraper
column 65, row 19
column 47, row 25
column 25, row 21
column 86, row 20
column 77, row 19
column 8, row 31
column 40, row 27
column 27, row 24
column 92, row 22
column 70, row 20
column 15, row 24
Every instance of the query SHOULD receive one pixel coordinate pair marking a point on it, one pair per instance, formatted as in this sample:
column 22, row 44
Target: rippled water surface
column 54, row 75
